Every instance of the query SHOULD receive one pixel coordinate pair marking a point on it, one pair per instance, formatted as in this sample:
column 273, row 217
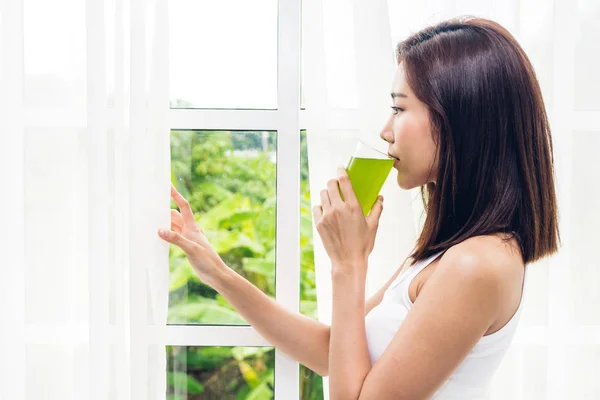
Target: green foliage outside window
column 229, row 179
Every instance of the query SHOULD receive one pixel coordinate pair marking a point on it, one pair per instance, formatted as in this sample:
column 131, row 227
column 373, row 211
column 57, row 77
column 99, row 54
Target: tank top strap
column 412, row 270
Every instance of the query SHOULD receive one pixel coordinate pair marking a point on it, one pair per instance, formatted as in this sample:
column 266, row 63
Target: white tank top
column 471, row 379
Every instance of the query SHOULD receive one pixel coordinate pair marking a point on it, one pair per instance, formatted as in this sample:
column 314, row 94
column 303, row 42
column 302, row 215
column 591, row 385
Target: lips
column 396, row 159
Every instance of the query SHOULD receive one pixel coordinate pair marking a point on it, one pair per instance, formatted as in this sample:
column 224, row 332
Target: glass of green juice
column 368, row 169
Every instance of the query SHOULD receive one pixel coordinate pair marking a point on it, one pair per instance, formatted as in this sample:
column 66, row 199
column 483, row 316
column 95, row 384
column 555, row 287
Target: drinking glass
column 368, row 169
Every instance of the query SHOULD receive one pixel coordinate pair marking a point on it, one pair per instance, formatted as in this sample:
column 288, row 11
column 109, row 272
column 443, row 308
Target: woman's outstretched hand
column 186, row 234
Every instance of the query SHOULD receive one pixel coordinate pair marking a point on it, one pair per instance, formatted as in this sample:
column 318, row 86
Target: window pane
column 229, row 178
column 308, row 293
column 220, row 373
column 311, row 384
column 223, row 54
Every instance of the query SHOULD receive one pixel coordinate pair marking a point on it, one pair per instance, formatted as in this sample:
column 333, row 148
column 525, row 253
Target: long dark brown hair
column 494, row 149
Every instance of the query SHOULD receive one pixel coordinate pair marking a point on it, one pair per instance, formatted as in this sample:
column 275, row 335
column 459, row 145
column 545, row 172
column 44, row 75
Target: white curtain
column 84, row 161
column 349, row 61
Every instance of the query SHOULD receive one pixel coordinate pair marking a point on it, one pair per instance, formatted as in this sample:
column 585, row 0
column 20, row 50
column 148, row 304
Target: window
column 236, row 146
column 220, row 372
column 229, row 177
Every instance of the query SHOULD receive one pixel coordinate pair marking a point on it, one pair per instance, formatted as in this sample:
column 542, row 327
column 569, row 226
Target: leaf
column 173, row 178
column 176, row 252
column 205, row 358
column 225, row 241
column 307, row 257
column 223, row 210
column 262, row 391
column 305, row 204
column 249, row 374
column 180, row 276
column 270, row 256
column 222, row 301
column 243, row 392
column 182, row 382
column 249, row 230
column 269, row 376
column 271, row 285
column 270, row 203
column 308, row 308
column 310, row 294
column 243, row 221
column 306, row 228
column 241, row 353
column 204, row 313
column 265, row 222
column 237, row 217
column 259, row 266
column 212, row 189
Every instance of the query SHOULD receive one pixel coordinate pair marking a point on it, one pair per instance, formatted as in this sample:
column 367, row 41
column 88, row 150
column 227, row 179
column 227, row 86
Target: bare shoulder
column 488, row 252
column 492, row 265
column 469, row 262
column 488, row 255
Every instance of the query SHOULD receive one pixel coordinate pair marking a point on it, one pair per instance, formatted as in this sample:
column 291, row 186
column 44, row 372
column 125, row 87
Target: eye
column 397, row 110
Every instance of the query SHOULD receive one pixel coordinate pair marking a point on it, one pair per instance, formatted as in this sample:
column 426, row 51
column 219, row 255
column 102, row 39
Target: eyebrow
column 394, row 95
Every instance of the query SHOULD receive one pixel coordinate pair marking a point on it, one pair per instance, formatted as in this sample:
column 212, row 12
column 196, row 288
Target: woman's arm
column 348, row 353
column 300, row 337
column 452, row 312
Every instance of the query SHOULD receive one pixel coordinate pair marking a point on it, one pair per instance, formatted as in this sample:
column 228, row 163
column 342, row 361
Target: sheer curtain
column 349, row 61
column 84, row 161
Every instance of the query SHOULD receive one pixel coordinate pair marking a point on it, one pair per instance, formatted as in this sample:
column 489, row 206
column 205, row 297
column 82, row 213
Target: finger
column 175, row 227
column 334, row 193
column 176, row 217
column 346, row 187
column 375, row 214
column 317, row 213
column 178, row 240
column 184, row 206
column 325, row 202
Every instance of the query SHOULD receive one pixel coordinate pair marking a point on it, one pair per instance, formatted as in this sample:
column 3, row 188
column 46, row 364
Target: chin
column 406, row 183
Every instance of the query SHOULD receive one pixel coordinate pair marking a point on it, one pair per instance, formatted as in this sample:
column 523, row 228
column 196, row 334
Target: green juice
column 368, row 176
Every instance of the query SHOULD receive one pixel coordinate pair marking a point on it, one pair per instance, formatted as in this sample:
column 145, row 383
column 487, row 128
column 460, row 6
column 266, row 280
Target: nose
column 386, row 133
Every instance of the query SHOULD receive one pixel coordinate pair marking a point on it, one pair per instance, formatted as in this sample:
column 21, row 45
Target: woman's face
column 408, row 133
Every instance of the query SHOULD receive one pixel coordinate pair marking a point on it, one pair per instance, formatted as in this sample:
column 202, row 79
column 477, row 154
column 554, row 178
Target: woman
column 468, row 126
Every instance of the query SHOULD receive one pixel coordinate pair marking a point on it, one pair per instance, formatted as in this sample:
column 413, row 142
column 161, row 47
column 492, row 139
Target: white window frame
column 286, row 122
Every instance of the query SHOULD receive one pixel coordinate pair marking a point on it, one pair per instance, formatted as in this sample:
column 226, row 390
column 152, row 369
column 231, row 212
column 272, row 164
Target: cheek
column 416, row 150
column 411, row 138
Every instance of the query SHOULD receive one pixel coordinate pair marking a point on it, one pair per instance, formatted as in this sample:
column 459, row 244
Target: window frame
column 285, row 120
